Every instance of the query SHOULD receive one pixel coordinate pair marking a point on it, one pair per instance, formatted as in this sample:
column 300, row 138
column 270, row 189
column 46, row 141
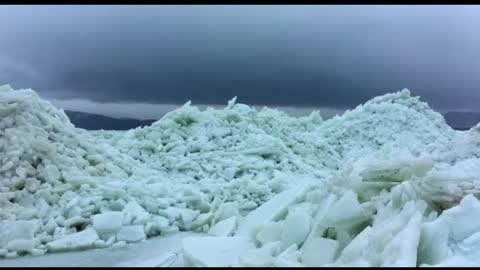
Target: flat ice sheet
column 150, row 253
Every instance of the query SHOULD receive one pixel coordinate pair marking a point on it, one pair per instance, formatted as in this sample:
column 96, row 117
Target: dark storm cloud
column 336, row 56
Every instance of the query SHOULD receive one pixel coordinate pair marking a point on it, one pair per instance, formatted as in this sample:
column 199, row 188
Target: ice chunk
column 19, row 245
column 462, row 224
column 357, row 247
column 283, row 262
column 75, row 221
column 202, row 219
column 346, row 211
column 318, row 226
column 119, row 244
column 141, row 218
column 256, row 257
column 269, row 232
column 107, row 222
column 456, row 261
column 271, row 209
column 75, row 241
column 211, row 251
column 18, row 229
column 226, row 210
column 402, row 250
column 433, row 241
column 263, row 256
column 224, row 227
column 188, row 215
column 295, row 228
column 133, row 233
column 319, row 251
column 291, row 253
column 133, row 207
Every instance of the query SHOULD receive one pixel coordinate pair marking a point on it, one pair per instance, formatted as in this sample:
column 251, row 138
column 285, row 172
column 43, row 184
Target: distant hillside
column 462, row 120
column 92, row 121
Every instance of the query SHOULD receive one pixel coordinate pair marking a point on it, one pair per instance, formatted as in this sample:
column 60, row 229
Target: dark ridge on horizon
column 91, row 121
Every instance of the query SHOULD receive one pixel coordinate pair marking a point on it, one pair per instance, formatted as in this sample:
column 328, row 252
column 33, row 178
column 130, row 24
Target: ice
column 296, row 228
column 346, row 210
column 388, row 183
column 269, row 232
column 462, row 224
column 262, row 257
column 319, row 251
column 271, row 209
column 133, row 207
column 256, row 258
column 402, row 250
column 433, row 241
column 158, row 250
column 74, row 241
column 161, row 260
column 133, row 233
column 224, row 227
column 18, row 245
column 107, row 222
column 204, row 251
column 14, row 230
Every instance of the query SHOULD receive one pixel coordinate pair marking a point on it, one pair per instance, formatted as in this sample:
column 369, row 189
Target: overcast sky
column 297, row 56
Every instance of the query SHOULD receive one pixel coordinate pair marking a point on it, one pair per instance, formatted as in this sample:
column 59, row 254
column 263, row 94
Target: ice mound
column 386, row 184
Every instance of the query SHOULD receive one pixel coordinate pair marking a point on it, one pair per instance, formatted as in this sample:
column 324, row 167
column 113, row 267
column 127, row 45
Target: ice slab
column 295, row 229
column 80, row 240
column 462, row 224
column 319, row 251
column 150, row 253
column 211, row 251
column 107, row 222
column 271, row 209
column 133, row 233
column 433, row 241
column 224, row 227
column 16, row 229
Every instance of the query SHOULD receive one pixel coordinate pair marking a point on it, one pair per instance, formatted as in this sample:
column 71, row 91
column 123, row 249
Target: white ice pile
column 386, row 184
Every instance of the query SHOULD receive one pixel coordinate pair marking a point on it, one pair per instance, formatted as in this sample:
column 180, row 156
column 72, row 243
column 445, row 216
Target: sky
column 141, row 61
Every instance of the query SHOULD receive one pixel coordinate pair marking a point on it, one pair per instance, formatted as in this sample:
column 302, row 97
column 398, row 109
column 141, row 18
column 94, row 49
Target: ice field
column 388, row 183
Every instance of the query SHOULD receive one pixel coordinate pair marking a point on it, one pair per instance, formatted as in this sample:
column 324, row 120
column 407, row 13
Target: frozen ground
column 386, row 184
column 157, row 251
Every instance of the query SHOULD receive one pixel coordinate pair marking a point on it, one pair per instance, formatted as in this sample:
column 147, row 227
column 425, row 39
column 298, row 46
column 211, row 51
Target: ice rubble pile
column 269, row 189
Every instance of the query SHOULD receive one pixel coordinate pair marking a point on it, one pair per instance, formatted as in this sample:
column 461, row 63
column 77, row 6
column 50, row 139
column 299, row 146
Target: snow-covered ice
column 388, row 183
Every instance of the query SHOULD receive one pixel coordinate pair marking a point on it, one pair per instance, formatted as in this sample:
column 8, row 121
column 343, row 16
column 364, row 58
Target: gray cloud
column 335, row 56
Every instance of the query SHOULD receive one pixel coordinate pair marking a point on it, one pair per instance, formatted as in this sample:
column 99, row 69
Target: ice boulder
column 224, row 227
column 75, row 241
column 107, row 223
column 346, row 211
column 21, row 245
column 271, row 209
column 133, row 233
column 402, row 249
column 269, row 232
column 16, row 229
column 211, row 251
column 319, row 251
column 462, row 224
column 262, row 257
column 433, row 241
column 133, row 207
column 296, row 228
